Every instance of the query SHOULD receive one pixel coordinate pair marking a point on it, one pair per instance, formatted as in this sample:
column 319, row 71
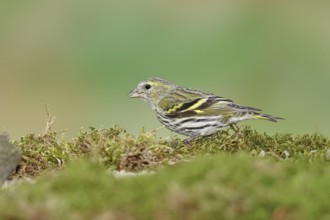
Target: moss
column 118, row 150
column 234, row 174
column 279, row 146
column 223, row 186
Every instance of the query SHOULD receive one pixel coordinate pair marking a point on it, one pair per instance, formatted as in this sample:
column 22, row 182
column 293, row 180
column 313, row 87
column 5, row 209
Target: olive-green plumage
column 192, row 112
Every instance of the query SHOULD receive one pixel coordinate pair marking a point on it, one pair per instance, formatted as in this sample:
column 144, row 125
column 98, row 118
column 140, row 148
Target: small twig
column 155, row 130
column 49, row 120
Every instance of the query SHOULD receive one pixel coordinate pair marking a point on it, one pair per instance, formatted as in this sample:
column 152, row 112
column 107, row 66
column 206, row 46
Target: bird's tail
column 258, row 115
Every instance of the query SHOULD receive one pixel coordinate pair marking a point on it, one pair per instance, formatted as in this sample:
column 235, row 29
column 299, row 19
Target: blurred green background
column 81, row 58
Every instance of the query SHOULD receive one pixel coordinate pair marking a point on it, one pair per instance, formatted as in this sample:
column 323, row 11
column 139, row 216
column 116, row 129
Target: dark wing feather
column 211, row 105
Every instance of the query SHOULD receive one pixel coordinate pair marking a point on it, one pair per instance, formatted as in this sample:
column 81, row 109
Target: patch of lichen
column 118, row 150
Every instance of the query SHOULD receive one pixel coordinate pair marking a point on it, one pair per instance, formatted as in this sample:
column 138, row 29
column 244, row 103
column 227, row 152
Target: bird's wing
column 209, row 105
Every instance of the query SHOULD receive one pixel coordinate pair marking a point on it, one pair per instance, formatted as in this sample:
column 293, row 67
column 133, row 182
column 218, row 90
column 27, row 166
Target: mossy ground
column 238, row 174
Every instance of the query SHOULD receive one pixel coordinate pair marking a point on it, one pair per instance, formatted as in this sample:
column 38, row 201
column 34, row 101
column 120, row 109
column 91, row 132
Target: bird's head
column 151, row 90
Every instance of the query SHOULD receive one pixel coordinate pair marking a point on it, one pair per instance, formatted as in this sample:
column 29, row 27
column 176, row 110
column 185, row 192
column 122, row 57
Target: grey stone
column 10, row 156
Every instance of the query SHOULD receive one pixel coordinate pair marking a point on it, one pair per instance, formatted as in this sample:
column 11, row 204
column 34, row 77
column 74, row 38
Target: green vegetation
column 83, row 57
column 234, row 174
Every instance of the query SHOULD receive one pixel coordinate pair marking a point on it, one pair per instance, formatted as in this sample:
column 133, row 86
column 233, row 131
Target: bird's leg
column 188, row 141
column 225, row 131
column 235, row 128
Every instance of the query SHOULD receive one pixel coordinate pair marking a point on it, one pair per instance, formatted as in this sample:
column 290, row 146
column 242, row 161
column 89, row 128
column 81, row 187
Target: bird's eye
column 147, row 86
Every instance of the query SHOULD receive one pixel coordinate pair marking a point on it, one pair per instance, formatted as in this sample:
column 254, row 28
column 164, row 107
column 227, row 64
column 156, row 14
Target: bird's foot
column 189, row 141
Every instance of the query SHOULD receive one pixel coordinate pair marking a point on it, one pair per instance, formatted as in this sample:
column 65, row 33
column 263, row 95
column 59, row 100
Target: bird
column 193, row 112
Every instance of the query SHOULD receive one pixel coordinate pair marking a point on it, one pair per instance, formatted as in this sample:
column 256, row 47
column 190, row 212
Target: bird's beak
column 135, row 94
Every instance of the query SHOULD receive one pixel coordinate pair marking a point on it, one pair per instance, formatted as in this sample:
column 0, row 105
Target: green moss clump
column 42, row 153
column 223, row 186
column 234, row 174
column 118, row 150
column 279, row 146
